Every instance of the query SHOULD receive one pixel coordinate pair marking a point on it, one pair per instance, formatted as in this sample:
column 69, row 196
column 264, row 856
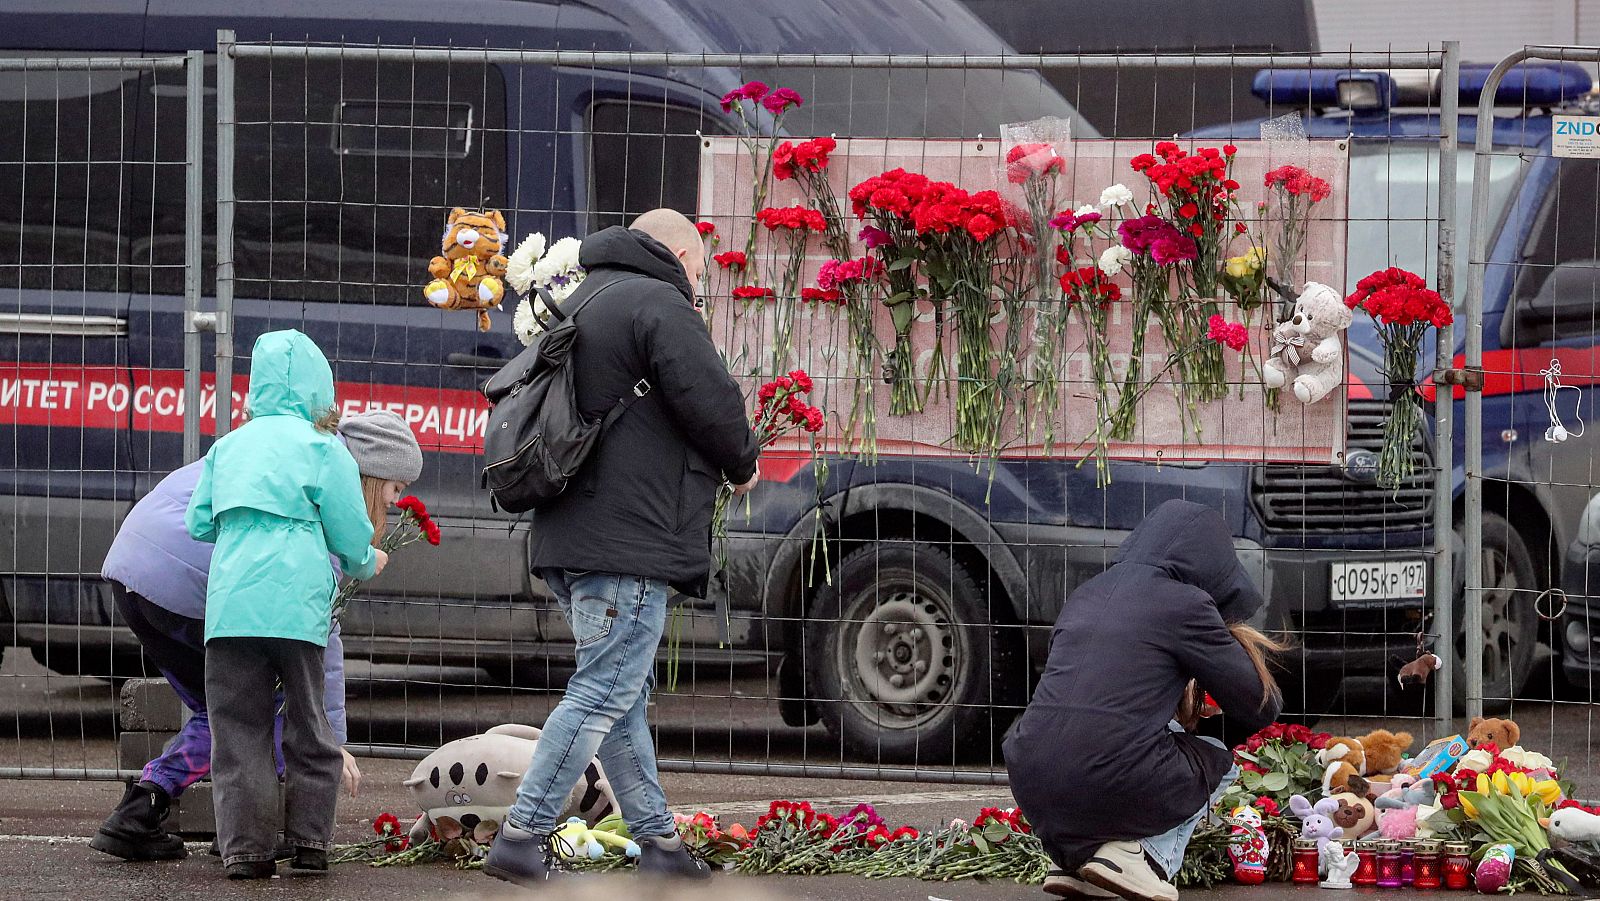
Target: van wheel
column 1510, row 624
column 902, row 661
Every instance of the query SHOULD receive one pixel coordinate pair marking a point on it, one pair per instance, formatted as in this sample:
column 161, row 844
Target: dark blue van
column 1538, row 306
column 943, row 585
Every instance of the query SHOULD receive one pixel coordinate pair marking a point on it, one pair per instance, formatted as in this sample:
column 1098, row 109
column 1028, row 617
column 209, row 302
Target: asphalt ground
column 49, row 720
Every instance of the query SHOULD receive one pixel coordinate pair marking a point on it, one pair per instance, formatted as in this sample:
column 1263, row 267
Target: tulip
column 1483, row 784
column 1501, row 784
column 1548, row 791
column 1467, row 807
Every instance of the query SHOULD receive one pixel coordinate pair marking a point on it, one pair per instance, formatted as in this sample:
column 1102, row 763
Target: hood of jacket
column 1191, row 543
column 623, row 248
column 289, row 376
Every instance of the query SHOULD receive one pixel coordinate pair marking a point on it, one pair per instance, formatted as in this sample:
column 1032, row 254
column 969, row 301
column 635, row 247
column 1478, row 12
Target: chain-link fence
column 1530, row 347
column 884, row 606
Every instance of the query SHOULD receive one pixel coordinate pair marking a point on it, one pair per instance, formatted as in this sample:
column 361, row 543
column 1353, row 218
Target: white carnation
column 1085, row 210
column 1115, row 196
column 519, row 266
column 558, row 271
column 1114, row 259
column 524, row 323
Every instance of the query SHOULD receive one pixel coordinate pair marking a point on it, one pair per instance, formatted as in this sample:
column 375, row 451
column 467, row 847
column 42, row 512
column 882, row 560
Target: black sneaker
column 133, row 831
column 252, row 869
column 310, row 860
column 668, row 857
column 521, row 857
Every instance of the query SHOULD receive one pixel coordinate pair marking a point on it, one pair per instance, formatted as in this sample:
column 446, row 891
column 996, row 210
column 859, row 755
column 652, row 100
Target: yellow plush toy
column 470, row 272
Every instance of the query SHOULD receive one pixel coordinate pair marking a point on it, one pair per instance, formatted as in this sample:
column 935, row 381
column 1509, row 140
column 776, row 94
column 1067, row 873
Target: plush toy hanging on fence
column 469, row 273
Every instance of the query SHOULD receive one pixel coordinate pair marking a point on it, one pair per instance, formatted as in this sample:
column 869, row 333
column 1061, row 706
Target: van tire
column 903, row 662
column 1511, row 626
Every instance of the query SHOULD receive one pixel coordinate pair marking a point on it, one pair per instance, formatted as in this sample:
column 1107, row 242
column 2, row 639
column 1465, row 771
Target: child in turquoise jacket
column 277, row 496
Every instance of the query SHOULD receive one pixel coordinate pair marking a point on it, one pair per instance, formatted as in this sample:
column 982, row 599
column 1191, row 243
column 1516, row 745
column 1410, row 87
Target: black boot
column 311, row 860
column 252, row 869
column 133, row 831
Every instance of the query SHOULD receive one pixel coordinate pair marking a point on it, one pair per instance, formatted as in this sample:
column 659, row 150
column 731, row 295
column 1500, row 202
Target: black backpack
column 536, row 438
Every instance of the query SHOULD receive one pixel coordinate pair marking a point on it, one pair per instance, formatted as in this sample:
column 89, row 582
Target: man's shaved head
column 674, row 230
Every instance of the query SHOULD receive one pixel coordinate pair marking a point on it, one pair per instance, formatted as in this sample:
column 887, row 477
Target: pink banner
column 1240, row 427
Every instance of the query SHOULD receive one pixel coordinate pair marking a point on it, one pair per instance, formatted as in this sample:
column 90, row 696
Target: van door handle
column 460, row 359
column 59, row 324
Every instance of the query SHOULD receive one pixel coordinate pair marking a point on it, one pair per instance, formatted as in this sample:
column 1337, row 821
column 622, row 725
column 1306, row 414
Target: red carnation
column 706, row 229
column 801, row 380
column 732, row 259
column 753, row 293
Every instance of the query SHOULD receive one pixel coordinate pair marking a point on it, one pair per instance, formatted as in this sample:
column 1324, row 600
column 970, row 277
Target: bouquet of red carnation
column 1292, row 193
column 746, row 100
column 795, row 225
column 886, row 201
column 1090, row 292
column 781, row 408
column 1196, row 192
column 960, row 234
column 414, row 525
column 1404, row 308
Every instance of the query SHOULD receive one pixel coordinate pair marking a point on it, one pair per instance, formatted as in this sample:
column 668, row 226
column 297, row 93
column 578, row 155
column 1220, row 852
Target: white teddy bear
column 1306, row 350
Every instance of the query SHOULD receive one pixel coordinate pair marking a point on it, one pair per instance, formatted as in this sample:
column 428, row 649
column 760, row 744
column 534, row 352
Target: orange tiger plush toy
column 470, row 272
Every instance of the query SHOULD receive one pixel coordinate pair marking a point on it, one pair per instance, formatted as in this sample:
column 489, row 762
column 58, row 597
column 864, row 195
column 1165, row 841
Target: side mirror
column 1567, row 304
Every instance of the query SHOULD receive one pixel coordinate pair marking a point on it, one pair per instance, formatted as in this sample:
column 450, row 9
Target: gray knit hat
column 383, row 445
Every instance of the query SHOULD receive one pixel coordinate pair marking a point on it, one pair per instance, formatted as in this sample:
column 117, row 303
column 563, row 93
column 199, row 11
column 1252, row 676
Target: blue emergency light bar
column 1525, row 85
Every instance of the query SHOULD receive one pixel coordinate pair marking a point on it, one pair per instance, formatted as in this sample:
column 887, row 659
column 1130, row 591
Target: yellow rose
column 1238, row 267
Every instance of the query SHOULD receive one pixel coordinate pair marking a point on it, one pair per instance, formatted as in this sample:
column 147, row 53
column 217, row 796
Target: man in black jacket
column 631, row 529
column 1109, row 783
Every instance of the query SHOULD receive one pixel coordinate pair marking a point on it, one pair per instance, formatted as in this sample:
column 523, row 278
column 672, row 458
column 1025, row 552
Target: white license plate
column 1367, row 583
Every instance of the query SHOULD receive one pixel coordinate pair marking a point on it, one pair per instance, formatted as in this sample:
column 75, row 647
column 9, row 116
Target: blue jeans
column 616, row 621
column 1167, row 849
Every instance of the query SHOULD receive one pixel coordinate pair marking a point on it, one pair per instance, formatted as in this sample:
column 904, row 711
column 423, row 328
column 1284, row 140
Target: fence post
column 1444, row 399
column 1477, row 262
column 194, row 223
column 225, row 205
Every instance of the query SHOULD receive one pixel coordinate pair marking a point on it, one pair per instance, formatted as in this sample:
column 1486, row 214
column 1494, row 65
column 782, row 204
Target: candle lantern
column 1307, row 865
column 1367, row 867
column 1427, row 869
column 1408, row 856
column 1457, row 866
column 1389, row 865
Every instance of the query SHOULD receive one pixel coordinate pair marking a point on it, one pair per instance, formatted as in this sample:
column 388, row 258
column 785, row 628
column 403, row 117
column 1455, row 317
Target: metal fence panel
column 336, row 166
column 1530, row 476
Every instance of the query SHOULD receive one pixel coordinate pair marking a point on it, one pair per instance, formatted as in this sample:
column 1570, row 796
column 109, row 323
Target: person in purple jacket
column 158, row 575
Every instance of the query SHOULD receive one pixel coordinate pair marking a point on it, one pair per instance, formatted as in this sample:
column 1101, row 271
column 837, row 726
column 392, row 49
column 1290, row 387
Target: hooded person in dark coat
column 1096, row 762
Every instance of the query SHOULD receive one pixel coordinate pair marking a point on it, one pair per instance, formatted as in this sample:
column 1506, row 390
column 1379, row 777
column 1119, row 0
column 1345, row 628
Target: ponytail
column 1258, row 647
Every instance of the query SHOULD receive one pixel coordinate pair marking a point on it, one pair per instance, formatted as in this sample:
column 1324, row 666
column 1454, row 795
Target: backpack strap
column 641, row 388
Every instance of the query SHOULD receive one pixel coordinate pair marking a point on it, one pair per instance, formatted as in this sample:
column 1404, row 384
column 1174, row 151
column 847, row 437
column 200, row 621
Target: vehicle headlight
column 1577, row 635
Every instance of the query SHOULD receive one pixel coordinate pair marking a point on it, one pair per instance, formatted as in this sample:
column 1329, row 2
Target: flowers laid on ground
column 414, row 525
column 1404, row 308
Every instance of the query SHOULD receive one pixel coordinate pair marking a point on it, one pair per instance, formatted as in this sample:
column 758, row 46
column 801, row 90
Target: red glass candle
column 1458, row 866
column 1389, row 865
column 1306, row 862
column 1426, row 865
column 1366, row 864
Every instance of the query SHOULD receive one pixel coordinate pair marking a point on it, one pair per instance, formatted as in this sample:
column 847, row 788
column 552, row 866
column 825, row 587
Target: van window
column 343, row 173
column 68, row 152
column 1559, row 274
column 644, row 155
column 913, row 103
